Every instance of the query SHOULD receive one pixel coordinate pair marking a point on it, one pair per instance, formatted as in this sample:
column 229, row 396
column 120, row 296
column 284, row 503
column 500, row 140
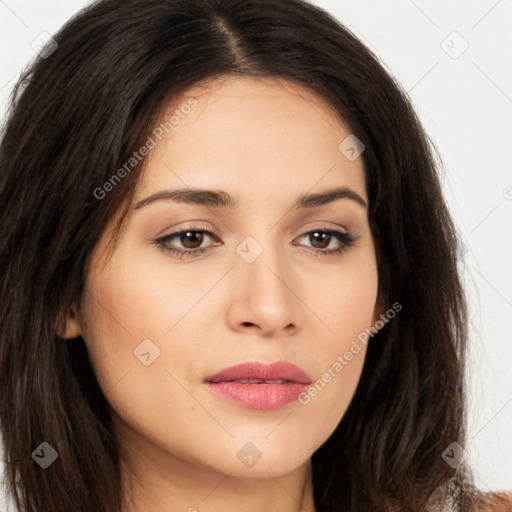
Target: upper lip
column 254, row 370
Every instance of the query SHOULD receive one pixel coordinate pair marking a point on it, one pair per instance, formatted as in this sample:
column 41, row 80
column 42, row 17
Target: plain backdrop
column 454, row 60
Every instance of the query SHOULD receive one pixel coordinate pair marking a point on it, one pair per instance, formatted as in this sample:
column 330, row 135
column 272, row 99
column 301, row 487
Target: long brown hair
column 78, row 114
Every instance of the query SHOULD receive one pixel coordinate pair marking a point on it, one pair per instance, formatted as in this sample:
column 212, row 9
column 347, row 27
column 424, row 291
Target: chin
column 262, row 458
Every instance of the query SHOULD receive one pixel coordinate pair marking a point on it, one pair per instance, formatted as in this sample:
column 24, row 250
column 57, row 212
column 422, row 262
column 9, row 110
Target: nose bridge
column 261, row 259
column 265, row 281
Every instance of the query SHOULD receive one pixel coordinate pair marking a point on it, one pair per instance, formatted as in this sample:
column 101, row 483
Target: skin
column 265, row 142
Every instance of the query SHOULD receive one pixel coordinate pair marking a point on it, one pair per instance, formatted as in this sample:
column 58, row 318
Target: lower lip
column 259, row 396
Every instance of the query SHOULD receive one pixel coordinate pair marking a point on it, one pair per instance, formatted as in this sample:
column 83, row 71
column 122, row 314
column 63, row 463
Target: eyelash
column 347, row 240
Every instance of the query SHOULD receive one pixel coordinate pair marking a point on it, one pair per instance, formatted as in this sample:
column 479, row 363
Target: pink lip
column 260, row 395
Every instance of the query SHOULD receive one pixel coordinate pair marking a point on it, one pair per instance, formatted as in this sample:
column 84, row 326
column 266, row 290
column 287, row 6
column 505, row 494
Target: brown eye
column 321, row 239
column 191, row 239
column 187, row 243
column 328, row 242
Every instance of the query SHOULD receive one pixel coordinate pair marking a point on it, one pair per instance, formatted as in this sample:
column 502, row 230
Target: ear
column 70, row 326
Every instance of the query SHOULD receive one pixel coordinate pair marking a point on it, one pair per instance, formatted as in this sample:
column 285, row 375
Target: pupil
column 190, row 238
column 323, row 236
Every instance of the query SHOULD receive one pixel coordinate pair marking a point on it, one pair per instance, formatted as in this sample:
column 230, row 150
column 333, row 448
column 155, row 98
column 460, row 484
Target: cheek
column 347, row 312
column 132, row 302
column 346, row 302
column 150, row 297
column 115, row 319
column 139, row 307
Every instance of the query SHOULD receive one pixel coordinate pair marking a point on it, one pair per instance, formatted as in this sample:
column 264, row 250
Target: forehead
column 251, row 136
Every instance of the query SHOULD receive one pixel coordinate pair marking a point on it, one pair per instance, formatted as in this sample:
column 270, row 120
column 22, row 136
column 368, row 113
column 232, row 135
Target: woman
column 229, row 275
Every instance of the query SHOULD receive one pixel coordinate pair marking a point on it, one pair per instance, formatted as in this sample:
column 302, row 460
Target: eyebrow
column 221, row 199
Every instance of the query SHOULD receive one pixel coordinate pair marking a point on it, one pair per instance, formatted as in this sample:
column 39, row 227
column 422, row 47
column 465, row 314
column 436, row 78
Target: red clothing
column 497, row 502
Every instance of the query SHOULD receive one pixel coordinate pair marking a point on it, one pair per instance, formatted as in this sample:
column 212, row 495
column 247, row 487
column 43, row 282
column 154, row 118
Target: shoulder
column 495, row 502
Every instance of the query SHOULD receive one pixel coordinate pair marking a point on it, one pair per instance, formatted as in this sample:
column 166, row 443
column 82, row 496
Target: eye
column 192, row 238
column 322, row 239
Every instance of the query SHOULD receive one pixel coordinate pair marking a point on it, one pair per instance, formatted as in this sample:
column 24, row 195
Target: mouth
column 260, row 386
column 254, row 381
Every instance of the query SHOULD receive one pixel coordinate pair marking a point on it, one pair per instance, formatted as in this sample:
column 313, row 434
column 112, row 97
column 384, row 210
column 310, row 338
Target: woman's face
column 267, row 286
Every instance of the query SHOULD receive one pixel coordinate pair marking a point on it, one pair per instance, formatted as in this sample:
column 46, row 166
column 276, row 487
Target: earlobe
column 70, row 326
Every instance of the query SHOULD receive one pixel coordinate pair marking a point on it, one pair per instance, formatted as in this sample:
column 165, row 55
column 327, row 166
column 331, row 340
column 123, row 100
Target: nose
column 265, row 297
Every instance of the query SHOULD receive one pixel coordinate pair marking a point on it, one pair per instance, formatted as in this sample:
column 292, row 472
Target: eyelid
column 187, row 226
column 162, row 240
column 345, row 238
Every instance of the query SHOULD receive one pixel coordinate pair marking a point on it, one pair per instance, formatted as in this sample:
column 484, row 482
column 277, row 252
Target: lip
column 260, row 394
